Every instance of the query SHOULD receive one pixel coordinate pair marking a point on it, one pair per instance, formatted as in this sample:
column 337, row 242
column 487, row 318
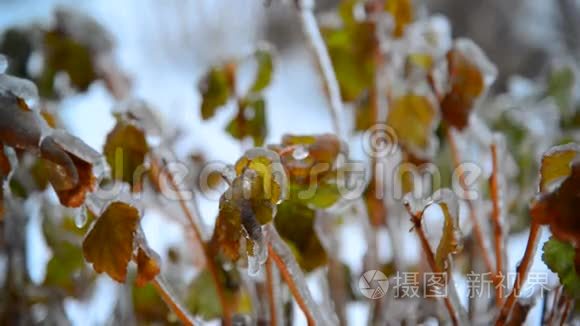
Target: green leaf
column 250, row 121
column 265, row 68
column 295, row 223
column 109, row 244
column 560, row 87
column 559, row 257
column 215, row 91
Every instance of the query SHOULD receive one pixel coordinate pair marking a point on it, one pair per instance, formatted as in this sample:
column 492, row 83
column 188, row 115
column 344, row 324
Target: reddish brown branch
column 418, row 227
column 497, row 226
column 287, row 276
column 479, row 237
column 198, row 237
column 169, row 299
column 566, row 311
column 521, row 273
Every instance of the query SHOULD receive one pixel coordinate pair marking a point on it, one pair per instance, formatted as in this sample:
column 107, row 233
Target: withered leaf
column 560, row 208
column 109, row 243
column 449, row 243
column 125, row 150
column 147, row 265
column 466, row 84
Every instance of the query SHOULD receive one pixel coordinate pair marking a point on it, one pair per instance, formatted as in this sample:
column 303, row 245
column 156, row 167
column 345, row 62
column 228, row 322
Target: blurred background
column 166, row 46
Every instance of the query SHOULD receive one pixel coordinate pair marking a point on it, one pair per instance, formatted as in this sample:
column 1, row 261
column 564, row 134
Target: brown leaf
column 466, row 84
column 402, row 12
column 109, row 243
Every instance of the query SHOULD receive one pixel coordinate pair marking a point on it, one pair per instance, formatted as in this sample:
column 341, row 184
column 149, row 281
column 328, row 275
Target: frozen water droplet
column 300, row 153
column 3, row 64
column 81, row 218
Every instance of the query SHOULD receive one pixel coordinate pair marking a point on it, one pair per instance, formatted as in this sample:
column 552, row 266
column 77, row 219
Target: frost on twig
column 314, row 37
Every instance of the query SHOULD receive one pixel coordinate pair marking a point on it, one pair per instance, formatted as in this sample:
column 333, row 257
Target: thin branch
column 566, row 311
column 279, row 252
column 198, row 237
column 316, row 43
column 418, row 227
column 181, row 313
column 496, row 219
column 291, row 285
column 521, row 273
column 270, row 290
column 554, row 307
column 479, row 237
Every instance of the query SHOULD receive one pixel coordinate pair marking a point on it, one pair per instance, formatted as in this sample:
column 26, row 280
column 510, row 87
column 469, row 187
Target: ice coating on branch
column 282, row 251
column 300, row 153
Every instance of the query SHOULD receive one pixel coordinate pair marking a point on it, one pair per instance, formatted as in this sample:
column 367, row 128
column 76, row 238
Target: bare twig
column 416, row 218
column 316, row 43
column 557, row 293
column 521, row 273
column 566, row 311
column 479, row 237
column 175, row 306
column 497, row 225
column 198, row 237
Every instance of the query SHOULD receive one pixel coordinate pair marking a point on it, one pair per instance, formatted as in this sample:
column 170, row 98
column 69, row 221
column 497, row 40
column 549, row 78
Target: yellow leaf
column 413, row 117
column 556, row 164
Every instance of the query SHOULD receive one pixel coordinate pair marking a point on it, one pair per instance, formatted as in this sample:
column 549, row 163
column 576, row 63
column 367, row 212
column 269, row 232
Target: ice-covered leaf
column 267, row 165
column 22, row 89
column 470, row 73
column 295, row 224
column 556, row 164
column 125, row 150
column 70, row 165
column 265, row 69
column 561, row 258
column 84, row 29
column 559, row 208
column 414, row 118
column 250, row 121
column 311, row 164
column 109, row 243
column 215, row 89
